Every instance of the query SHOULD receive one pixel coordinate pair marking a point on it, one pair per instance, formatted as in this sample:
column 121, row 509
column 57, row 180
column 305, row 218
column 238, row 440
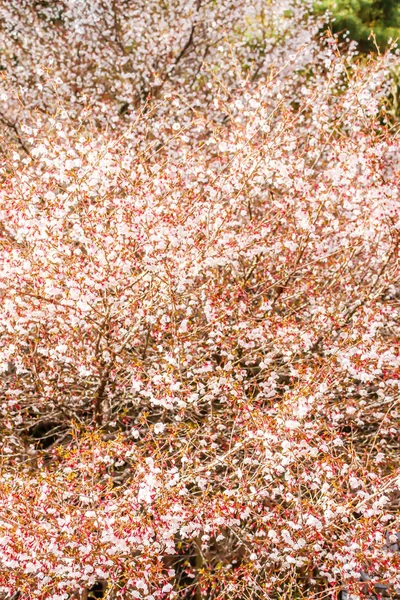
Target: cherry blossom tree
column 199, row 225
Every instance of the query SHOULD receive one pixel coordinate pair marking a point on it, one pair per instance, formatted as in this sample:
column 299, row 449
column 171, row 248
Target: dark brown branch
column 99, row 398
column 13, row 126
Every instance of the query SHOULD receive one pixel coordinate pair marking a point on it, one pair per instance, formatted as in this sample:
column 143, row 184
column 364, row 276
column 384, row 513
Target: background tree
column 363, row 17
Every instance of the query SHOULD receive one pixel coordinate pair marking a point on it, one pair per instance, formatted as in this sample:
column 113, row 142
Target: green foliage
column 361, row 17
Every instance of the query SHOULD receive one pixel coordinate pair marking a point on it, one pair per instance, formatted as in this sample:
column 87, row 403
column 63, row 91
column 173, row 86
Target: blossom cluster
column 199, row 296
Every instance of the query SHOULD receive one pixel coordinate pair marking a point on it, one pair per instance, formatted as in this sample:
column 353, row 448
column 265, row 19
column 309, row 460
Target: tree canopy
column 199, row 304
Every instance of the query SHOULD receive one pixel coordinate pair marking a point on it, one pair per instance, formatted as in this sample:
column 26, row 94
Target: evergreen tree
column 361, row 17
